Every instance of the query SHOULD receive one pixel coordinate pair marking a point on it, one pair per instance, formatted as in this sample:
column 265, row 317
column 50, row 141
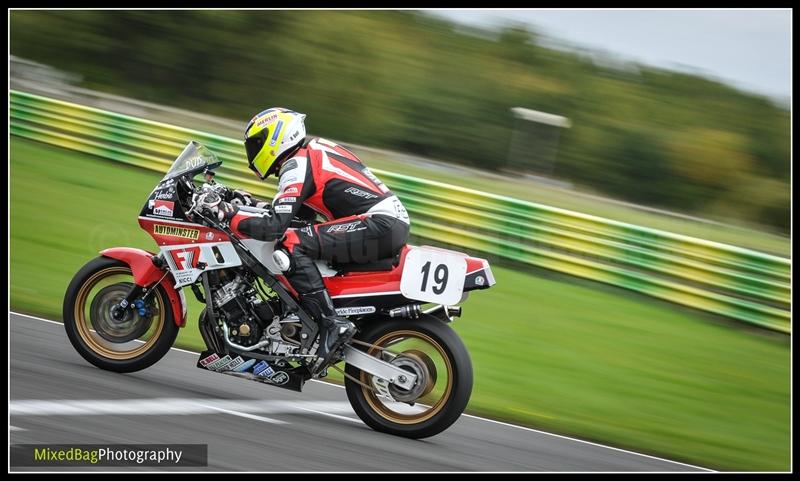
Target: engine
column 250, row 319
column 240, row 307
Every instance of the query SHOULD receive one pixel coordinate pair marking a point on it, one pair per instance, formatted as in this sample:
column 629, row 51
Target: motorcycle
column 406, row 371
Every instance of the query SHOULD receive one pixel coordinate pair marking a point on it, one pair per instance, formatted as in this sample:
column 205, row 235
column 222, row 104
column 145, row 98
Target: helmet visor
column 253, row 145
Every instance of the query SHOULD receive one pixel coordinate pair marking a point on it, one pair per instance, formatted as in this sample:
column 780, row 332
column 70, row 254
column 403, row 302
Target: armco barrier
column 738, row 283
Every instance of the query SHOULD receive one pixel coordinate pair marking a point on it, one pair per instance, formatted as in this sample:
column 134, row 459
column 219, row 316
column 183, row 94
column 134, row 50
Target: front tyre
column 428, row 348
column 129, row 343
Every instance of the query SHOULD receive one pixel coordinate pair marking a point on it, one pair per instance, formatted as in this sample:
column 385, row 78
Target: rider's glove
column 224, row 211
column 210, row 203
column 242, row 197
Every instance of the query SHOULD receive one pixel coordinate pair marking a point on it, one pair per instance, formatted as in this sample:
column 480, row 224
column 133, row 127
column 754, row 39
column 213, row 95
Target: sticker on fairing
column 172, row 231
column 244, row 366
column 279, row 378
column 218, row 364
column 164, row 207
column 355, row 311
column 212, row 358
column 263, row 369
column 231, row 366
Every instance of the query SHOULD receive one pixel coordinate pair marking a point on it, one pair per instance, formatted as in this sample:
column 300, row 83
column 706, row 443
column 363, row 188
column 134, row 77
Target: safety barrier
column 730, row 281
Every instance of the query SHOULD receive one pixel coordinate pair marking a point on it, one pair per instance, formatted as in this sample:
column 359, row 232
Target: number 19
column 439, row 277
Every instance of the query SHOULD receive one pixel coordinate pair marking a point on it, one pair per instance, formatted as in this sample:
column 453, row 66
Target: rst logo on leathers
column 360, row 193
column 349, row 227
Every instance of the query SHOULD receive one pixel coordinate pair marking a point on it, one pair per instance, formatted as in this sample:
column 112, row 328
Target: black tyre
column 432, row 350
column 129, row 344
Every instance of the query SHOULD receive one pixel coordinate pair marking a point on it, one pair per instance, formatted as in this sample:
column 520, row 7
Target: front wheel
column 125, row 343
column 431, row 350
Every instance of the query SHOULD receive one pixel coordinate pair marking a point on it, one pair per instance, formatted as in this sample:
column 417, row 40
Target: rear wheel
column 125, row 343
column 436, row 355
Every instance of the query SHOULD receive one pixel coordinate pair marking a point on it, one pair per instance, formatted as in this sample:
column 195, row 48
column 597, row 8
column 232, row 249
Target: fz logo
column 185, row 259
column 341, row 228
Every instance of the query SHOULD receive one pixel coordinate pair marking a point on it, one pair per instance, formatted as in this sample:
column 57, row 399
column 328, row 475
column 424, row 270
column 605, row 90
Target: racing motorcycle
column 406, row 372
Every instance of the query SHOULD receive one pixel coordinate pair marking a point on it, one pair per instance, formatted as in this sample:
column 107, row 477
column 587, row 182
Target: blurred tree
column 414, row 82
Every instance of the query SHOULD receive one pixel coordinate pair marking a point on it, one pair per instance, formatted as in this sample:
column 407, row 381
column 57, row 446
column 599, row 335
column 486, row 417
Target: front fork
column 134, row 300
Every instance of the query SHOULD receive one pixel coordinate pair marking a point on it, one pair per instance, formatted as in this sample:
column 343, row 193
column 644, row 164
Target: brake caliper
column 141, row 308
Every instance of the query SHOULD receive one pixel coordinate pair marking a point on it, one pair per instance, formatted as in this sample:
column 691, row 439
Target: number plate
column 434, row 275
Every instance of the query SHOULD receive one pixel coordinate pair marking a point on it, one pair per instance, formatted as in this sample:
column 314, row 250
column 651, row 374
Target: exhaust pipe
column 411, row 310
column 445, row 313
column 232, row 344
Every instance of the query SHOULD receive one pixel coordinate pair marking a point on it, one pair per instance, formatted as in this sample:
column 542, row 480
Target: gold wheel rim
column 92, row 340
column 384, row 411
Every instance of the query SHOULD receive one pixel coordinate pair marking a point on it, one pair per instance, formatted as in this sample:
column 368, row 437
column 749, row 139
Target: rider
column 365, row 221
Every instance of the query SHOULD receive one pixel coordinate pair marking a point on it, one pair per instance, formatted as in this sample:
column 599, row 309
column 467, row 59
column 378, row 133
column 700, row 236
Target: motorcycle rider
column 365, row 221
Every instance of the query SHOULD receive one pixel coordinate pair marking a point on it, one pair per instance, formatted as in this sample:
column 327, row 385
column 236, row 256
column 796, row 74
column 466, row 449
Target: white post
column 540, row 118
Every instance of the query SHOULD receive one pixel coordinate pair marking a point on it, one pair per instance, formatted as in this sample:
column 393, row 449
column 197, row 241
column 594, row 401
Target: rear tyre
column 430, row 349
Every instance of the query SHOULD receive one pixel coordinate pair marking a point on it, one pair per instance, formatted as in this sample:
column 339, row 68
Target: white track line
column 337, row 416
column 167, row 406
column 248, row 416
column 466, row 415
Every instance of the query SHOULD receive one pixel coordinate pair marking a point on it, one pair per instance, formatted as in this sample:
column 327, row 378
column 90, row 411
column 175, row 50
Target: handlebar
column 201, row 194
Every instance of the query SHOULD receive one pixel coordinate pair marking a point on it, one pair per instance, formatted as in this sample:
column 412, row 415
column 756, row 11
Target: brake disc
column 131, row 326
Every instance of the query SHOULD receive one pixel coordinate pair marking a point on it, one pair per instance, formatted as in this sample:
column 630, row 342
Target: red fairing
column 387, row 282
column 475, row 264
column 145, row 273
column 166, row 232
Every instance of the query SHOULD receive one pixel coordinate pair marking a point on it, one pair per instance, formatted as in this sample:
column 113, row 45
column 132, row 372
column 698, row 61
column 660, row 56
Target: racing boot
column 334, row 331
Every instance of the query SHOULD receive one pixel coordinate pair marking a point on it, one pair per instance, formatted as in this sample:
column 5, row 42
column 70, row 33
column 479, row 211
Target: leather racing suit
column 365, row 220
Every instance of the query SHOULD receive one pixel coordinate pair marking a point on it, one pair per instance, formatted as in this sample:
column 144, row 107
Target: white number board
column 434, row 275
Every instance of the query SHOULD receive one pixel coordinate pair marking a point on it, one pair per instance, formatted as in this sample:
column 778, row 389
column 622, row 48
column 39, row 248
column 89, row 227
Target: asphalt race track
column 57, row 397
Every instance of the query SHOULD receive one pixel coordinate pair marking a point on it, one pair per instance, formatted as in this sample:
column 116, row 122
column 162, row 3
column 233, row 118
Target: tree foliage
column 409, row 81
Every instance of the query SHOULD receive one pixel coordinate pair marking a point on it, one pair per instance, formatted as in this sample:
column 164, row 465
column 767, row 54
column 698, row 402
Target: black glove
column 241, row 197
column 224, row 211
column 211, row 204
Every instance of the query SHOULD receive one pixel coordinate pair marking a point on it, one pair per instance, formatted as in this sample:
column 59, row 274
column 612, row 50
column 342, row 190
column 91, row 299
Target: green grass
column 571, row 357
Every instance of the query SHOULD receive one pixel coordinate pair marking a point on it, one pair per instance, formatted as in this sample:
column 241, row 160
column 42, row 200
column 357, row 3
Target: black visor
column 254, row 144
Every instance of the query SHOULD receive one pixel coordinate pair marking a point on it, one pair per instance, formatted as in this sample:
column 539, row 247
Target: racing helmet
column 270, row 137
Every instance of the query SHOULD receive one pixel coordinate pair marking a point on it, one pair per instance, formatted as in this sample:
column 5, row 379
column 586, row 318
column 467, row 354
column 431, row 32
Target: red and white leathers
column 366, row 221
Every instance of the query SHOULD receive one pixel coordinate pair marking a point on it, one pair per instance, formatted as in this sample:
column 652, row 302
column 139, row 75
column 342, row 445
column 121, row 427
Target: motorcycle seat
column 386, row 264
